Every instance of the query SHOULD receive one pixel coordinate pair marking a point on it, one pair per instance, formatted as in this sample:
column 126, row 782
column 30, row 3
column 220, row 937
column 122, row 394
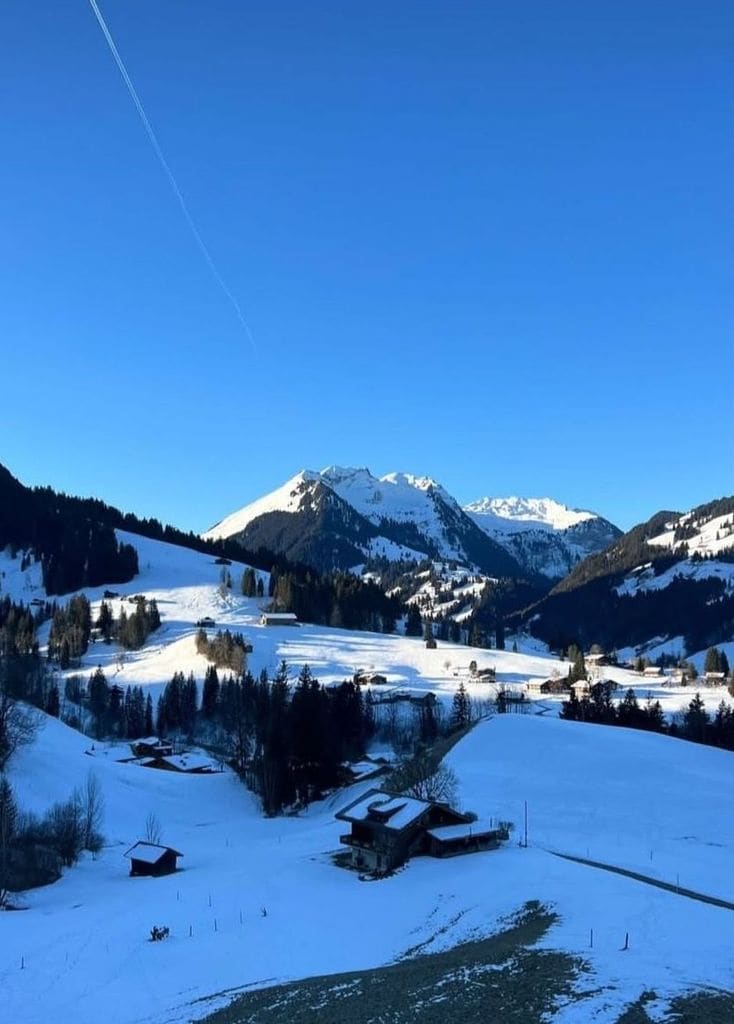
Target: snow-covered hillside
column 187, row 587
column 259, row 900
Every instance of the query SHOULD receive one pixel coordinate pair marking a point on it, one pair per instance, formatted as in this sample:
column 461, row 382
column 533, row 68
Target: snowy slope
column 84, row 940
column 286, row 498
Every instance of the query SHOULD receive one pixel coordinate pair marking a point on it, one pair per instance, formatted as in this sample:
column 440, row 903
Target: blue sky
column 486, row 242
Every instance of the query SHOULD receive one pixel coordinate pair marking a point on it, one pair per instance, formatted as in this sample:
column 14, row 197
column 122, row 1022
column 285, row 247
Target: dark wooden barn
column 152, row 859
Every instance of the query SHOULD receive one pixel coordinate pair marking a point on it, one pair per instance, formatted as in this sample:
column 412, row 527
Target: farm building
column 370, row 679
column 556, row 684
column 151, row 746
column 451, row 840
column 278, row 619
column 152, row 859
column 188, row 764
column 581, row 688
column 388, row 829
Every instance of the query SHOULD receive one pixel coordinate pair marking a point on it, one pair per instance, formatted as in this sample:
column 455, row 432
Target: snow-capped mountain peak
column 534, row 511
column 344, row 515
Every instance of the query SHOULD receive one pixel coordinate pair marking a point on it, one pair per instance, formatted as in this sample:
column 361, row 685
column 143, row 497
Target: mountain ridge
column 516, row 537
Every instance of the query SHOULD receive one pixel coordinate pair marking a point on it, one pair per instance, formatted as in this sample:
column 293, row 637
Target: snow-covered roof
column 464, row 831
column 149, row 853
column 399, row 811
column 183, row 762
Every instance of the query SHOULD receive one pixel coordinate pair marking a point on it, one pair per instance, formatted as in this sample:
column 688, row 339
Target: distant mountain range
column 344, row 517
column 667, row 583
column 665, row 586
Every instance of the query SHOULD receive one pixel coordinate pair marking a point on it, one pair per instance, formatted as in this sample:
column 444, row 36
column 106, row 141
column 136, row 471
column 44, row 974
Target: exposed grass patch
column 691, row 1008
column 496, row 978
column 702, row 1008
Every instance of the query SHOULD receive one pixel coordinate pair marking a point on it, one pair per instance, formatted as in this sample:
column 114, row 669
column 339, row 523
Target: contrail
column 169, row 173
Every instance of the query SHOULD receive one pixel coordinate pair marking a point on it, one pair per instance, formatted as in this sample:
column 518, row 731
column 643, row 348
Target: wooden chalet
column 187, row 764
column 581, row 688
column 152, row 859
column 206, row 623
column 556, row 684
column 278, row 619
column 151, row 746
column 452, row 840
column 388, row 829
column 370, row 679
column 714, row 679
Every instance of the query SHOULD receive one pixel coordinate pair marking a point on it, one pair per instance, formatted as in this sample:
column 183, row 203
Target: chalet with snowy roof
column 471, row 837
column 581, row 688
column 151, row 746
column 652, row 672
column 152, row 859
column 188, row 764
column 370, row 679
column 714, row 679
column 278, row 619
column 387, row 829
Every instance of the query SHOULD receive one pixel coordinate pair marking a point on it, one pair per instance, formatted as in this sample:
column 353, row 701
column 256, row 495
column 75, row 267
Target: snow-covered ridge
column 527, row 513
column 399, row 496
column 287, row 498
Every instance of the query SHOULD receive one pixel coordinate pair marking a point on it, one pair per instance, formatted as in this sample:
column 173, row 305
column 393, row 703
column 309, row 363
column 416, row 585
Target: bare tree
column 424, row 779
column 92, row 813
column 18, row 725
column 152, row 828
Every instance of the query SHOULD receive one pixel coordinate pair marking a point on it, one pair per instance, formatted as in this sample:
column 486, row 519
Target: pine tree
column 696, row 720
column 712, row 662
column 413, row 622
column 8, row 825
column 210, row 695
column 249, row 583
column 460, row 708
column 99, row 699
column 53, row 701
column 148, row 730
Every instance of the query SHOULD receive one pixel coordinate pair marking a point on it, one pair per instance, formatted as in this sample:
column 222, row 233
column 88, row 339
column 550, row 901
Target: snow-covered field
column 186, row 586
column 642, row 802
column 636, row 800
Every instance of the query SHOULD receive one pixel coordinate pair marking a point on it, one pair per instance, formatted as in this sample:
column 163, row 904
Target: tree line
column 695, row 724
